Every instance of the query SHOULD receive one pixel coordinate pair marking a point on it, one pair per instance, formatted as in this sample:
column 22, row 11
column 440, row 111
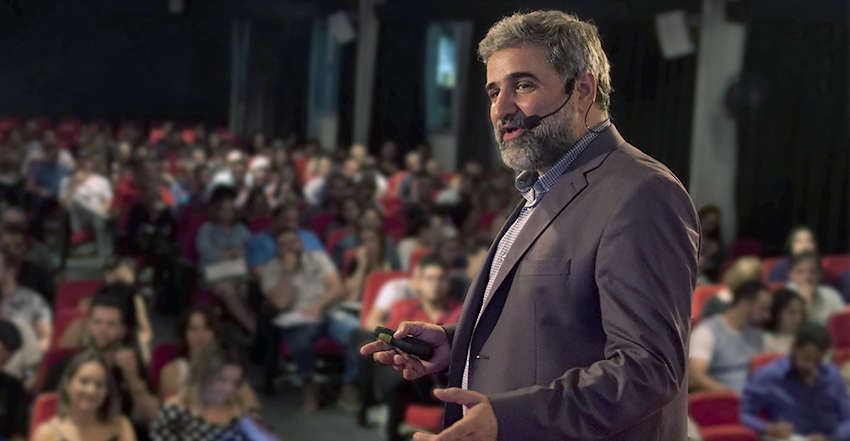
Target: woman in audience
column 198, row 329
column 744, row 269
column 800, row 240
column 222, row 240
column 786, row 315
column 88, row 405
column 805, row 278
column 208, row 406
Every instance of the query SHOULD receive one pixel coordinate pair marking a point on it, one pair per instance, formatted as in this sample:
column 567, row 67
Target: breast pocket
column 545, row 267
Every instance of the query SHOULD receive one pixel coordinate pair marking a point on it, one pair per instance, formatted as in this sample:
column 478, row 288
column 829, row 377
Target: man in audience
column 433, row 304
column 263, row 246
column 722, row 346
column 13, row 238
column 799, row 393
column 20, row 302
column 87, row 196
column 13, row 411
column 42, row 185
column 805, row 277
column 300, row 285
column 110, row 330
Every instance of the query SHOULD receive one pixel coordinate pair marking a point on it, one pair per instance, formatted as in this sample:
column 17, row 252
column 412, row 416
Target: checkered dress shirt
column 532, row 189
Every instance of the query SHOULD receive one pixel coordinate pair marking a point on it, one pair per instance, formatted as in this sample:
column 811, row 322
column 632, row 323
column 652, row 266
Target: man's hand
column 779, row 430
column 411, row 367
column 125, row 359
column 479, row 424
column 314, row 312
column 289, row 261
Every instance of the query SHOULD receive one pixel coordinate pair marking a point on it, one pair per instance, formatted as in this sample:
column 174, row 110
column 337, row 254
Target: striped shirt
column 532, row 189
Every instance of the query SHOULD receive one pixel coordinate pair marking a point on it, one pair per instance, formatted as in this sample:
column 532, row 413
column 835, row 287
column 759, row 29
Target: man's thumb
column 457, row 395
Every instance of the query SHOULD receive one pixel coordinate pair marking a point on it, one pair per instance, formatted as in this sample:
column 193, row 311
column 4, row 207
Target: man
column 13, row 411
column 799, row 393
column 821, row 300
column 21, row 303
column 263, row 246
column 577, row 327
column 300, row 286
column 110, row 331
column 87, row 196
column 13, row 238
column 723, row 345
column 42, row 184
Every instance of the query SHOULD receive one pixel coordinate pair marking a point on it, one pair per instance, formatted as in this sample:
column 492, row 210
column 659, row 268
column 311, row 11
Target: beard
column 541, row 147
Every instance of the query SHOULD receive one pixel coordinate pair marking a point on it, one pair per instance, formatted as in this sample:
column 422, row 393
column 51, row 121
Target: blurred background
column 198, row 117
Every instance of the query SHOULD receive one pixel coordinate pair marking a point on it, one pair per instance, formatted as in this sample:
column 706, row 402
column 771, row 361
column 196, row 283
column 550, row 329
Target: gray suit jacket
column 585, row 337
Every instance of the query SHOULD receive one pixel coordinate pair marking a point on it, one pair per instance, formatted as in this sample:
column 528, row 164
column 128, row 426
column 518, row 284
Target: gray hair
column 572, row 46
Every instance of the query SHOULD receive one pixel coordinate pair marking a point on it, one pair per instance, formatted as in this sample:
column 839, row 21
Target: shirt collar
column 533, row 186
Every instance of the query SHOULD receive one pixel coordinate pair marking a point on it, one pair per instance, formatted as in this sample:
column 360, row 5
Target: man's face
column 805, row 273
column 105, row 328
column 520, row 82
column 433, row 284
column 806, row 360
column 760, row 308
column 802, row 242
column 289, row 241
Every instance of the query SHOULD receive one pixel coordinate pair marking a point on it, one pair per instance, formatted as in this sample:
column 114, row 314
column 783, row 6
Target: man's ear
column 586, row 88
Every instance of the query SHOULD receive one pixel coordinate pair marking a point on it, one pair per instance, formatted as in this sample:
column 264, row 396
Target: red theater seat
column 716, row 408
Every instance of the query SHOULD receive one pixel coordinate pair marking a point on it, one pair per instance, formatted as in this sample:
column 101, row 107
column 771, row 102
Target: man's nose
column 504, row 106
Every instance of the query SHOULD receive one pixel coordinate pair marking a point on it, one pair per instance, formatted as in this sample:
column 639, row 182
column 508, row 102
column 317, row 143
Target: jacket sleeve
column 646, row 265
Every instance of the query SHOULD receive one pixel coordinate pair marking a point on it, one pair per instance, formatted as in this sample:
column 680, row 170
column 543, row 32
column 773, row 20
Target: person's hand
column 362, row 255
column 233, row 254
column 479, row 424
column 125, row 359
column 410, row 366
column 780, row 430
column 818, row 437
column 314, row 312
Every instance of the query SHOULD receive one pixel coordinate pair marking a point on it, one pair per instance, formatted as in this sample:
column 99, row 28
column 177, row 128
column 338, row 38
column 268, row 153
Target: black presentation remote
column 410, row 345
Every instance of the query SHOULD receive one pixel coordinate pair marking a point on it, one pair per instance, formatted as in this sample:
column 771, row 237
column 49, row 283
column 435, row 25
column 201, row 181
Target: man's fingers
column 375, row 346
column 408, row 328
column 458, row 431
column 460, row 396
column 423, row 436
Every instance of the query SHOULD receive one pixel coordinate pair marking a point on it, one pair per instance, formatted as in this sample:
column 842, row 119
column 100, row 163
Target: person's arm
column 145, row 332
column 701, row 349
column 354, row 282
column 376, row 317
column 73, row 335
column 755, row 395
column 168, row 381
column 334, row 290
column 44, row 330
column 646, row 265
column 144, row 401
column 126, row 430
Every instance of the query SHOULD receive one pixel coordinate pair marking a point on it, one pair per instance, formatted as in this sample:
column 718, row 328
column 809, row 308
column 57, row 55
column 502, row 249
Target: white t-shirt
column 393, row 291
column 93, row 193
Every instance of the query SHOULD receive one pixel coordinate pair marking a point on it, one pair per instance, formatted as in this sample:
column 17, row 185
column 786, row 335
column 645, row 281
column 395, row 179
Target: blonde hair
column 744, row 269
column 572, row 46
column 204, row 369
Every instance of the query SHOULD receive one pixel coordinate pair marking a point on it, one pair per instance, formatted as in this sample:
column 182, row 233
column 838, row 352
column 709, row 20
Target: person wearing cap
column 13, row 414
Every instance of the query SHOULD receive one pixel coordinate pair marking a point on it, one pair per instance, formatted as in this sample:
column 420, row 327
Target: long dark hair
column 111, row 405
column 781, row 299
column 211, row 321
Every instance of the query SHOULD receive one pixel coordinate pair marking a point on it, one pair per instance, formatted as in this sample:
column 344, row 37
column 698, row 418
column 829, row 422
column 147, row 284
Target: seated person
column 821, row 300
column 300, row 285
column 800, row 240
column 799, row 393
column 263, row 246
column 13, row 237
column 371, row 217
column 198, row 329
column 743, row 270
column 223, row 239
column 89, row 408
column 722, row 346
column 20, row 302
column 787, row 314
column 368, row 257
column 119, row 284
column 391, row 292
column 24, row 364
column 87, row 196
column 110, row 328
column 209, row 405
column 433, row 305
column 13, row 413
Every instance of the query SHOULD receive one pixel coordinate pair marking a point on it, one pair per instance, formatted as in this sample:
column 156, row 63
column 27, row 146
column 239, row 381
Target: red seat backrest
column 44, row 409
column 50, row 359
column 842, row 355
column 767, row 265
column 335, row 236
column 764, row 359
column 372, row 285
column 714, row 408
column 834, row 267
column 839, row 329
column 71, row 292
column 701, row 295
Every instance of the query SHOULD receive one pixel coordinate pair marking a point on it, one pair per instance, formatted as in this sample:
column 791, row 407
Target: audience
column 722, row 346
column 32, row 272
column 87, row 196
column 209, row 405
column 89, row 404
column 805, row 278
column 787, row 314
column 13, row 412
column 198, row 329
column 799, row 394
column 743, row 269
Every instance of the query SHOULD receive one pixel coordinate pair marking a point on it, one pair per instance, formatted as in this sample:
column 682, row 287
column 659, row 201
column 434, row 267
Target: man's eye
column 524, row 86
column 493, row 94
